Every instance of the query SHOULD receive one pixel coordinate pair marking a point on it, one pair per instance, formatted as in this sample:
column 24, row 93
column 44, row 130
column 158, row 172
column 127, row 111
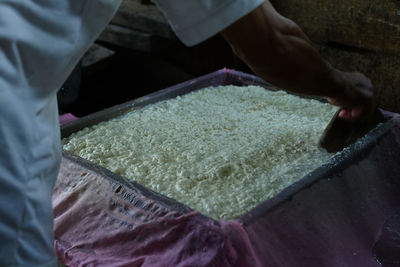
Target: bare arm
column 278, row 51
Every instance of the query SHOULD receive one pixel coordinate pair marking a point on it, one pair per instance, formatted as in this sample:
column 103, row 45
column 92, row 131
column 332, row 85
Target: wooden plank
column 364, row 24
column 134, row 15
column 133, row 39
column 95, row 54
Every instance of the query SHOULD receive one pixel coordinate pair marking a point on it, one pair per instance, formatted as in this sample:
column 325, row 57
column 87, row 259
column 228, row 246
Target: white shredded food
column 220, row 150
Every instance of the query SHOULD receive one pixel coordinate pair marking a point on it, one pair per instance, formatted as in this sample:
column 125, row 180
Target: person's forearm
column 278, row 51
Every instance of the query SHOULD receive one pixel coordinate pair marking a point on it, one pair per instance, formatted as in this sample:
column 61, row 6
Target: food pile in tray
column 220, row 150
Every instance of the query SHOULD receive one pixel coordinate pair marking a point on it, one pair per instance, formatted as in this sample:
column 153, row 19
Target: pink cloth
column 65, row 118
column 99, row 222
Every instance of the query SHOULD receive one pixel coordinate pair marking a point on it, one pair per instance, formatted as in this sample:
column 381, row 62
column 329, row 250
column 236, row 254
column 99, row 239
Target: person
column 42, row 41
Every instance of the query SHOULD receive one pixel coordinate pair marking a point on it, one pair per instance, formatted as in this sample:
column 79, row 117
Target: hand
column 357, row 101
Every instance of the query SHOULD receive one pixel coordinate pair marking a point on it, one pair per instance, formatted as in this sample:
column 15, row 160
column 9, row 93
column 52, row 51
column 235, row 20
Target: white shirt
column 40, row 43
column 196, row 20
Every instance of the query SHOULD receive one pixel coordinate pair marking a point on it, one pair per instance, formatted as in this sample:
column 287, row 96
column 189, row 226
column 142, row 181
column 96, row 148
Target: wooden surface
column 366, row 24
column 363, row 24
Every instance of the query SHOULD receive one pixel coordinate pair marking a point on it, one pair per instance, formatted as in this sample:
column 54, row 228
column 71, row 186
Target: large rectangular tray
column 221, row 77
column 334, row 216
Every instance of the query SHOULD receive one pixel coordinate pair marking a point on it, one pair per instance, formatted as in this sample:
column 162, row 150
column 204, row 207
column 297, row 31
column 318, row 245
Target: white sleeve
column 40, row 43
column 196, row 20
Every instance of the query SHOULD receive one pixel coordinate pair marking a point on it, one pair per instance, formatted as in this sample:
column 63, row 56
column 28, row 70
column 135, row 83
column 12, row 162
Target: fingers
column 353, row 115
column 345, row 114
column 357, row 102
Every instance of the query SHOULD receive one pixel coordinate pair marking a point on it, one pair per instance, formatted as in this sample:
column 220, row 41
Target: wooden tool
column 340, row 133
